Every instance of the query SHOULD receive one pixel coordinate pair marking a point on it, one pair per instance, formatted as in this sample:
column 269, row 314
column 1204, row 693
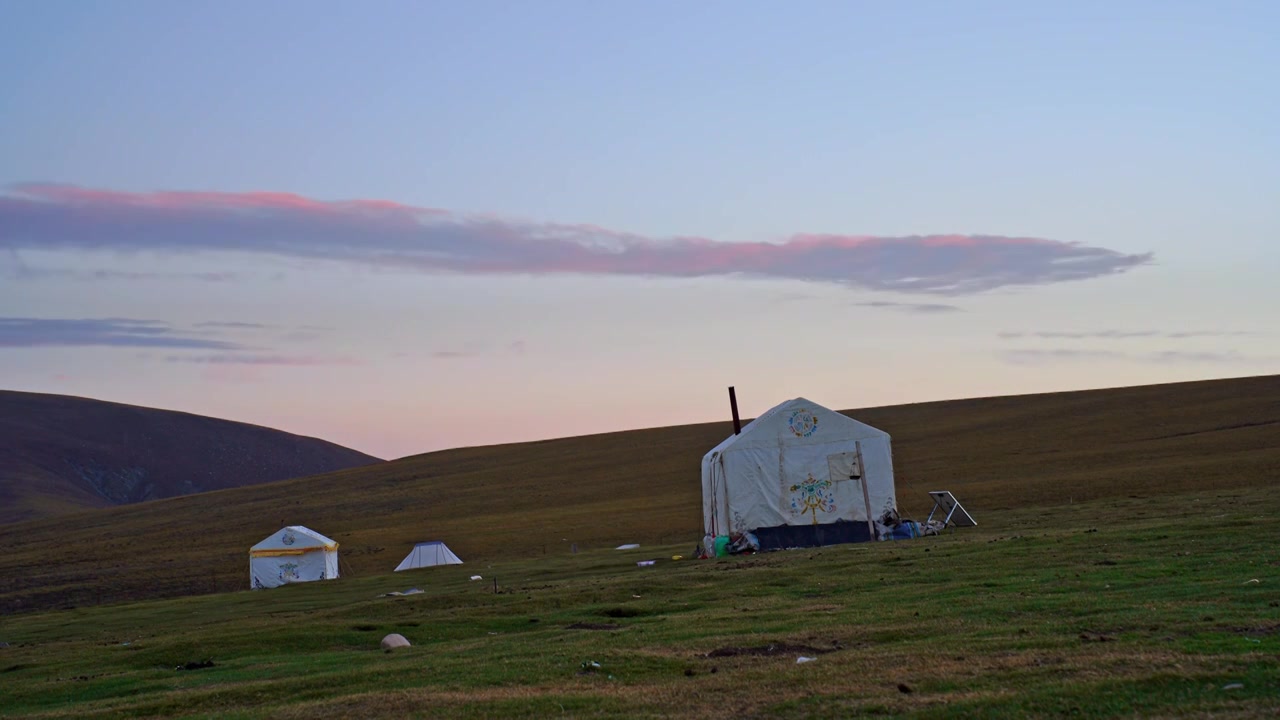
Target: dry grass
column 60, row 454
column 535, row 499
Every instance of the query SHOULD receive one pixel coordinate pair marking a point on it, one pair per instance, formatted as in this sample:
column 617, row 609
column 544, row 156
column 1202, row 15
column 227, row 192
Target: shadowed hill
column 643, row 486
column 60, row 454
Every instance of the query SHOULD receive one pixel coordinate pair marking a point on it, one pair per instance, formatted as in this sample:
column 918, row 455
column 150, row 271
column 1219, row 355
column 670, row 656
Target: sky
column 409, row 226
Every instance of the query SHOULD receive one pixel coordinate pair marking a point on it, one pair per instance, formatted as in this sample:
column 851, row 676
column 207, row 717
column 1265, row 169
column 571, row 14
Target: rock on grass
column 393, row 641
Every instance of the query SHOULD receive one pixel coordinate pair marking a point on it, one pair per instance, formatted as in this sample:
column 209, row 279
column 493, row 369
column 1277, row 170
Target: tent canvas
column 428, row 554
column 292, row 554
column 800, row 475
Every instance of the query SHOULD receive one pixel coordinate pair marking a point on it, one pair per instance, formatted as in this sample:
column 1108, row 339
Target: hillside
column 1107, row 609
column 531, row 499
column 60, row 454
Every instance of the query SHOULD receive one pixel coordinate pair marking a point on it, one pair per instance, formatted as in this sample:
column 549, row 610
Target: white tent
column 799, row 475
column 293, row 554
column 428, row 554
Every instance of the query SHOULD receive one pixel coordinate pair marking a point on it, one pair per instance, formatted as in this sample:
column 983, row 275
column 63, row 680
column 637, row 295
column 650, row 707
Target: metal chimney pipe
column 733, row 403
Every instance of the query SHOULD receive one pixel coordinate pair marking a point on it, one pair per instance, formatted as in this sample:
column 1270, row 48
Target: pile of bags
column 735, row 543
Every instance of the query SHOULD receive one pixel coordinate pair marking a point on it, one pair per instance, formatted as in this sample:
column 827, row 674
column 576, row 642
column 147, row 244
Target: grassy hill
column 535, row 499
column 1155, row 607
column 1124, row 565
column 61, row 454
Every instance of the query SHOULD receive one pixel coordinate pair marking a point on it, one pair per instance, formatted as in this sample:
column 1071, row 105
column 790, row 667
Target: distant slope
column 60, row 454
column 643, row 486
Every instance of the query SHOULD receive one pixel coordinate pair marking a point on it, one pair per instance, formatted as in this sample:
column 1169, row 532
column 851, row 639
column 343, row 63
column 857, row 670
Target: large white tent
column 292, row 554
column 799, row 475
column 428, row 554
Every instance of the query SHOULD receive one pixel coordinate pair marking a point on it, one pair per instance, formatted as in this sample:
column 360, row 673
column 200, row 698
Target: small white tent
column 293, row 554
column 800, row 475
column 428, row 554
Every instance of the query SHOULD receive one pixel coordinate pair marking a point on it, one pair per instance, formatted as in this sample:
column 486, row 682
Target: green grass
column 533, row 500
column 1132, row 598
column 1110, row 608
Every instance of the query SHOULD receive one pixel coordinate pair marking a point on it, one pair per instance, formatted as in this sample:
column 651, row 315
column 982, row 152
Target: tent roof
column 296, row 537
column 772, row 424
column 428, row 554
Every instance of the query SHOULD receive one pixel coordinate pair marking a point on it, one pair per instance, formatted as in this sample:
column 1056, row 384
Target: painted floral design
column 812, row 496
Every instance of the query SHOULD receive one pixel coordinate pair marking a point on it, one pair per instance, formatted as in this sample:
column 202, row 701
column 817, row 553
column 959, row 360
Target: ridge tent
column 800, row 475
column 428, row 554
column 292, row 554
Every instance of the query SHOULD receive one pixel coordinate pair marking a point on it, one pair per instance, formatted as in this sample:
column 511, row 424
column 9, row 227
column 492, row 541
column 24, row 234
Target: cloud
column 1178, row 356
column 1029, row 357
column 233, row 325
column 222, row 360
column 262, row 359
column 1211, row 333
column 1123, row 334
column 1044, row 356
column 927, row 308
column 20, row 270
column 475, row 349
column 299, row 333
column 129, row 275
column 383, row 233
column 18, row 332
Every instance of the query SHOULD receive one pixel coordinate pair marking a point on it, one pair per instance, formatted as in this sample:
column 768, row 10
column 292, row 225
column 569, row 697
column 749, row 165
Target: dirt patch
column 621, row 612
column 15, row 668
column 195, row 665
column 591, row 626
column 1273, row 629
column 769, row 650
column 1091, row 636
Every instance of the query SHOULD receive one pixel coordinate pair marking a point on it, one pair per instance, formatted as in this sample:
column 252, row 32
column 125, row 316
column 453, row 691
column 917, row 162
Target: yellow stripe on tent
column 282, row 552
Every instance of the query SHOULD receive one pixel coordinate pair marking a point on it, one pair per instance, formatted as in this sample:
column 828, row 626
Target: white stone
column 393, row 641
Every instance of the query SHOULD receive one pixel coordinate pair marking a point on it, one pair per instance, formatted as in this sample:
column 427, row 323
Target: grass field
column 1153, row 606
column 1125, row 564
column 534, row 500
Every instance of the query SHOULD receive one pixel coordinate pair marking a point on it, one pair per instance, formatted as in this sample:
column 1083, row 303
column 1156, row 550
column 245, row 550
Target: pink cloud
column 387, row 233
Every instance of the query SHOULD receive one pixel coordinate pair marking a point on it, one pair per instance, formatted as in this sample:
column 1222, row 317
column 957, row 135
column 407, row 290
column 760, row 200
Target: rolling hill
column 522, row 500
column 61, row 454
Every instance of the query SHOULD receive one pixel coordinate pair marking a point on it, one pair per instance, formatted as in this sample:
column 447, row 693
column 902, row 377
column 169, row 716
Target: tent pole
column 733, row 404
column 866, row 494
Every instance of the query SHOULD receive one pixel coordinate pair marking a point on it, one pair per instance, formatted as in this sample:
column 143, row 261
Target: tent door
column 847, row 467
